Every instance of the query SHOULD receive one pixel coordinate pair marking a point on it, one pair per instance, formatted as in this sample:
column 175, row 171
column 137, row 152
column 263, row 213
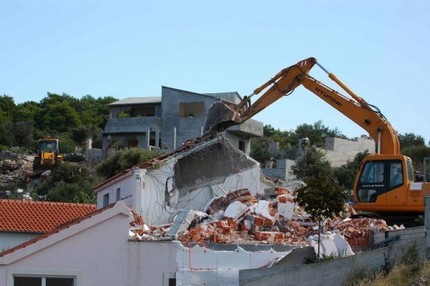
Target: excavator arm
column 375, row 189
column 225, row 114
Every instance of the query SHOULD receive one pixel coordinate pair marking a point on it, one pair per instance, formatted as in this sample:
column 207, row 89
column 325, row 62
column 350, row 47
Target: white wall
column 202, row 266
column 12, row 239
column 97, row 255
column 153, row 262
column 127, row 185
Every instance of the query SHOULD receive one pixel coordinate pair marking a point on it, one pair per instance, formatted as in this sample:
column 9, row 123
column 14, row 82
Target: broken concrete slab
column 236, row 211
column 331, row 244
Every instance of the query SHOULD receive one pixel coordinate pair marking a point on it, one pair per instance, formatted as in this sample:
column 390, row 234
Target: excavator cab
column 48, row 155
column 385, row 186
column 379, row 176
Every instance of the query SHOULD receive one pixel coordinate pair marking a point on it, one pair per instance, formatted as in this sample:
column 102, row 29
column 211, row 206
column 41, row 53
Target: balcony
column 132, row 125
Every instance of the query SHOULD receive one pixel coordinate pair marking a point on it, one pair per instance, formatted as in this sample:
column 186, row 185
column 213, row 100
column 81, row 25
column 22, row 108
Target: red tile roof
column 56, row 230
column 39, row 217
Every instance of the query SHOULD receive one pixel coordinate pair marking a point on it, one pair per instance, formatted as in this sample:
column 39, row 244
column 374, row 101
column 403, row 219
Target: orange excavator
column 385, row 183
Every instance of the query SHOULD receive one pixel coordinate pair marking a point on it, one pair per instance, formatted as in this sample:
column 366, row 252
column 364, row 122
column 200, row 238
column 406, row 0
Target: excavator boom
column 224, row 114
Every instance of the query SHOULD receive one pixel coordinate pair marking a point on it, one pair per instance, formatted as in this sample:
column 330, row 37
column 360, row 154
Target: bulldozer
column 48, row 155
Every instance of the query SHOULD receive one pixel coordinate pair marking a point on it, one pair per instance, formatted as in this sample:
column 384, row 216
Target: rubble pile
column 13, row 168
column 241, row 218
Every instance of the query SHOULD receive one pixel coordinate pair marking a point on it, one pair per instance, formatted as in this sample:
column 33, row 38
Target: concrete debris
column 236, row 210
column 240, row 218
column 183, row 220
column 358, row 231
column 332, row 244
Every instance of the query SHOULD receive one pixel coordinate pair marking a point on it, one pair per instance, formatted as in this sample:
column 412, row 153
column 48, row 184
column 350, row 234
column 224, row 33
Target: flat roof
column 137, row 100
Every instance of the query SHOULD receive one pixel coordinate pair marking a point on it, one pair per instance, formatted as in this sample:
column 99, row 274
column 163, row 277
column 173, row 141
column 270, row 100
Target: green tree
column 321, row 197
column 67, row 145
column 71, row 182
column 94, row 112
column 7, row 107
column 6, row 129
column 23, row 133
column 316, row 133
column 269, row 131
column 312, row 164
column 60, row 117
column 345, row 174
column 410, row 139
column 417, row 153
column 80, row 134
column 26, row 112
column 259, row 150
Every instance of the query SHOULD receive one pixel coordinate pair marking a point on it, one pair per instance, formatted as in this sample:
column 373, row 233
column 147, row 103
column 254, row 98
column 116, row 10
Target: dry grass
column 407, row 271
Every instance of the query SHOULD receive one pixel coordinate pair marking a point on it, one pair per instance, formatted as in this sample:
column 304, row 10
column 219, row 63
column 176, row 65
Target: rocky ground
column 16, row 175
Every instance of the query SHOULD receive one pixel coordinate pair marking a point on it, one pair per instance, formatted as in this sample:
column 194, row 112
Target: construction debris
column 274, row 218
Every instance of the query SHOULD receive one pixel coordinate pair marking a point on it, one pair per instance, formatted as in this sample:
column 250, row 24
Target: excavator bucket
column 224, row 114
column 220, row 117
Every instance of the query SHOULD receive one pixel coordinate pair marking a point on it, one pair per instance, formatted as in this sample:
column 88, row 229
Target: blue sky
column 133, row 48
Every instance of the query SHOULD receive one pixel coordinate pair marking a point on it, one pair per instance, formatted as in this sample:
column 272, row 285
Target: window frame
column 368, row 191
column 106, row 199
column 44, row 273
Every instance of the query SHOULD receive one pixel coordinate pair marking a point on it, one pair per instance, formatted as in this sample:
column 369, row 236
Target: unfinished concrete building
column 338, row 152
column 168, row 121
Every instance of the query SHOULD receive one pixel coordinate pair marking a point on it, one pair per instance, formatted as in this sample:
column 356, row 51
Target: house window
column 118, row 194
column 43, row 281
column 105, row 200
column 191, row 109
column 152, row 138
column 242, row 145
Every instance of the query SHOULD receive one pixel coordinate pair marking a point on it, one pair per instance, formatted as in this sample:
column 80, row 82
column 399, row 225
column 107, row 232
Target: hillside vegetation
column 74, row 121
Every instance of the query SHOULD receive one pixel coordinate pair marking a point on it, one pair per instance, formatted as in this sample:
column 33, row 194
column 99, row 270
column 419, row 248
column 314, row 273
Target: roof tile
column 39, row 217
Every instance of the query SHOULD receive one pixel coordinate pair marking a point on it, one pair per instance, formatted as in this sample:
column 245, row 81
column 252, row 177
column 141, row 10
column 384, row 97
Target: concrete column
column 174, row 137
column 148, row 137
column 106, row 142
column 427, row 220
column 157, row 139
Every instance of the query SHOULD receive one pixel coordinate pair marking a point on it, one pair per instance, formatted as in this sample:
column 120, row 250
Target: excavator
column 385, row 184
column 48, row 155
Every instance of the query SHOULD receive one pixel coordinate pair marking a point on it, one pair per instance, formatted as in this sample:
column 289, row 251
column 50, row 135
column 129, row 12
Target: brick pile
column 273, row 218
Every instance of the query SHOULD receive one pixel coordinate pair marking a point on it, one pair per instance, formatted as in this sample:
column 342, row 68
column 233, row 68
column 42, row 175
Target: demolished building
column 209, row 207
column 197, row 216
column 184, row 180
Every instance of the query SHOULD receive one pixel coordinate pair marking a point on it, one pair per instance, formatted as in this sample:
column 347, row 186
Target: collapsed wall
column 188, row 179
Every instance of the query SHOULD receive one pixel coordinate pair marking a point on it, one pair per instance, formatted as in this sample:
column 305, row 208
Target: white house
column 90, row 251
